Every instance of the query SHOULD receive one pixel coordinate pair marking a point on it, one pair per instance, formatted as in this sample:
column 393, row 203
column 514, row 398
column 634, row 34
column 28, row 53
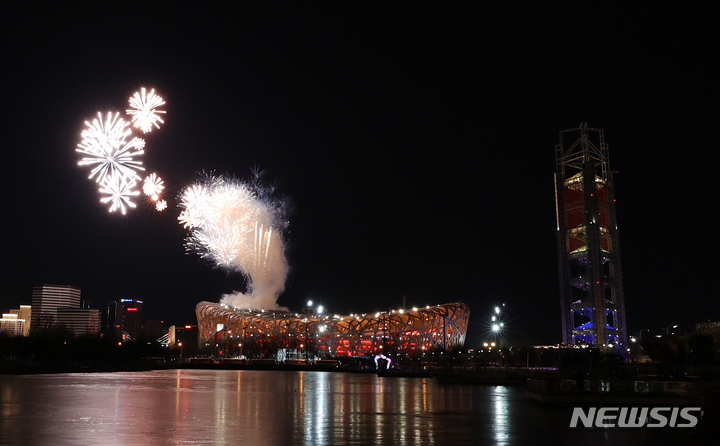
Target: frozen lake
column 285, row 408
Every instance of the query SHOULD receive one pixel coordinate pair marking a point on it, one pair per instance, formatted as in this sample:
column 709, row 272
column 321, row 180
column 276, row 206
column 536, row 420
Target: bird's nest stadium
column 410, row 331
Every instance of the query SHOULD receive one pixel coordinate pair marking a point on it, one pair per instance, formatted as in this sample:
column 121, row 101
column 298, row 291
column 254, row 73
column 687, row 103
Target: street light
column 307, row 353
column 308, row 312
column 180, row 344
column 497, row 324
column 484, row 355
column 668, row 327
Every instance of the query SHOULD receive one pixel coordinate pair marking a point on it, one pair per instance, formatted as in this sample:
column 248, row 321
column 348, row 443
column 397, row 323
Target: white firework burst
column 144, row 110
column 192, row 200
column 230, row 225
column 161, row 205
column 107, row 148
column 187, row 219
column 119, row 190
column 153, row 186
column 220, row 213
column 102, row 134
column 238, row 225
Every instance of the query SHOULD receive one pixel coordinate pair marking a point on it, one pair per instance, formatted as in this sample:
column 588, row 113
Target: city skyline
column 415, row 146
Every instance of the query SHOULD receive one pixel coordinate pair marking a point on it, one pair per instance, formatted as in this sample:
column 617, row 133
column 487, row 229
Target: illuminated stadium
column 260, row 332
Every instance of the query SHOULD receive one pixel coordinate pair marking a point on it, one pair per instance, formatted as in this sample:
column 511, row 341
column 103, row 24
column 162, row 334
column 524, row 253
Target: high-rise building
column 110, row 318
column 128, row 321
column 80, row 321
column 24, row 312
column 46, row 299
column 591, row 286
column 12, row 325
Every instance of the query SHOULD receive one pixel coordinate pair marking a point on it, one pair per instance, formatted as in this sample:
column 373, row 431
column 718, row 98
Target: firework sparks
column 234, row 225
column 153, row 186
column 102, row 134
column 107, row 148
column 119, row 190
column 219, row 213
column 194, row 197
column 144, row 110
column 161, row 205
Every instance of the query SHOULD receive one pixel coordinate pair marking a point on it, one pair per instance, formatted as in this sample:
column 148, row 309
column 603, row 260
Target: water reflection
column 501, row 420
column 281, row 408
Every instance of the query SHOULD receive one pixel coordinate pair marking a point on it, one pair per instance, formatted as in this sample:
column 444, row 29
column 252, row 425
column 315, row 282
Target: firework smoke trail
column 237, row 225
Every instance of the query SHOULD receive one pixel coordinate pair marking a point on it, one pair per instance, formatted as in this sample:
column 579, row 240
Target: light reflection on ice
column 279, row 408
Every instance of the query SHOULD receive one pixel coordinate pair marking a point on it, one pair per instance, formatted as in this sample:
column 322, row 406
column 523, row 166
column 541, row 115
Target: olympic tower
column 593, row 305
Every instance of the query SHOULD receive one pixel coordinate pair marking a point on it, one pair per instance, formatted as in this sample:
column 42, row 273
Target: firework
column 103, row 134
column 194, row 197
column 161, row 205
column 220, row 214
column 105, row 143
column 234, row 225
column 119, row 190
column 153, row 187
column 144, row 110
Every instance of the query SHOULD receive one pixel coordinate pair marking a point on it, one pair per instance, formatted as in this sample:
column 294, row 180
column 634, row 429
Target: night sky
column 415, row 143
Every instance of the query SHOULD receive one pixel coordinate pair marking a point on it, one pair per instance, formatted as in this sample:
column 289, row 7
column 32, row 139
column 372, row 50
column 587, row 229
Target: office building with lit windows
column 12, row 325
column 80, row 321
column 46, row 300
column 25, row 313
column 128, row 320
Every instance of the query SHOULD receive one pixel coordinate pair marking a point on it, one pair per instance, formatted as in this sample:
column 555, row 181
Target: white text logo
column 635, row 417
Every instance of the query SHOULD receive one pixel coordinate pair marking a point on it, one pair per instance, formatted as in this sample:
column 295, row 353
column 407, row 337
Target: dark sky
column 415, row 142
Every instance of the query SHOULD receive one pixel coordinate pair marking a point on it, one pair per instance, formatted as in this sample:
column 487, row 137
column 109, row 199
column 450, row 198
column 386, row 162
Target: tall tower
column 593, row 305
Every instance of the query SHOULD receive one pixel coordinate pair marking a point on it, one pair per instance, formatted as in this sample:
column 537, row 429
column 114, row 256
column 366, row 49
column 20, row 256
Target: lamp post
column 484, row 355
column 308, row 311
column 668, row 328
column 640, row 334
column 181, row 351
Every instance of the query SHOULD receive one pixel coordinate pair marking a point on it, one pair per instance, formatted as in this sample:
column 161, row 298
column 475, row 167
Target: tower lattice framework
column 591, row 286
